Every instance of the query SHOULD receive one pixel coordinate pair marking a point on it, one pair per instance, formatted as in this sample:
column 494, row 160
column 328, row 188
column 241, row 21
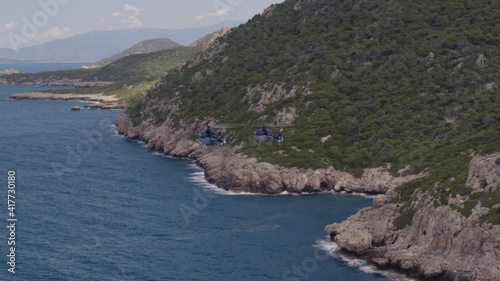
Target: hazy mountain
column 93, row 46
column 2, row 60
column 145, row 66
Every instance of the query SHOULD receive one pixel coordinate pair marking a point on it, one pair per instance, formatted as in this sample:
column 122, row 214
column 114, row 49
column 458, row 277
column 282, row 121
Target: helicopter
column 211, row 138
column 265, row 135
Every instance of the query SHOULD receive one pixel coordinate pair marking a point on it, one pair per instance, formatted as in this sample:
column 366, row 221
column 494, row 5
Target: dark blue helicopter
column 265, row 135
column 211, row 138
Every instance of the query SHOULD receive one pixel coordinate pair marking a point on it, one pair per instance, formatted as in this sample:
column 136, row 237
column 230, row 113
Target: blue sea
column 91, row 205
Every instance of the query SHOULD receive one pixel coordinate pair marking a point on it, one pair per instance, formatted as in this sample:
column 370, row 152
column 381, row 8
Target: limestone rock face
column 269, row 93
column 440, row 242
column 484, row 173
column 357, row 235
column 241, row 173
column 268, row 12
column 481, row 61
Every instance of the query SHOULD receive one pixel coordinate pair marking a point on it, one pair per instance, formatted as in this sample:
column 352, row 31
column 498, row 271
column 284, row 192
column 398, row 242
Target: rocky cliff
column 368, row 86
column 241, row 173
column 439, row 243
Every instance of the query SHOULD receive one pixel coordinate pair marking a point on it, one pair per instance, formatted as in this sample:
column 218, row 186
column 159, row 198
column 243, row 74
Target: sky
column 33, row 22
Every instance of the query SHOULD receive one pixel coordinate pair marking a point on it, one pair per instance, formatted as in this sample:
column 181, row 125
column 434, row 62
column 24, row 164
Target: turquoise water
column 93, row 206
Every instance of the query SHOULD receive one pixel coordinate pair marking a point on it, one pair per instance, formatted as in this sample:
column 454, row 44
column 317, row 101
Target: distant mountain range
column 93, row 46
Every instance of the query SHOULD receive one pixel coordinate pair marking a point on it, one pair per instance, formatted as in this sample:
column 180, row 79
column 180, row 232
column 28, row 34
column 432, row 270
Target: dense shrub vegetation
column 413, row 84
column 137, row 67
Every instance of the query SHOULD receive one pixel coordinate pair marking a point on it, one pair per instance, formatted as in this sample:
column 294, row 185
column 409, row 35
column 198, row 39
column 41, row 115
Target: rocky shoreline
column 103, row 101
column 441, row 244
column 240, row 173
column 107, row 106
column 77, row 83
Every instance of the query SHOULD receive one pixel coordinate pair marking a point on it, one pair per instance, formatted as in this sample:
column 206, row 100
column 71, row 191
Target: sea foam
column 198, row 177
column 333, row 250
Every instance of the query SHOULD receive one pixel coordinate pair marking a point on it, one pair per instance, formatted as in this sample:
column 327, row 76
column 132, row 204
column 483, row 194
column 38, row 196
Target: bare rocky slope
column 440, row 242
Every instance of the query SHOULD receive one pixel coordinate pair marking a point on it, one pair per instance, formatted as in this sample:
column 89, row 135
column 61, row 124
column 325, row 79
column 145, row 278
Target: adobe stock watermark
column 224, row 7
column 32, row 26
column 201, row 200
column 77, row 154
column 303, row 270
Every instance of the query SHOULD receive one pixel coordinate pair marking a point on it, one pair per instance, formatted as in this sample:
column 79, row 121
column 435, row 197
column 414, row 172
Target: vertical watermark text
column 11, row 220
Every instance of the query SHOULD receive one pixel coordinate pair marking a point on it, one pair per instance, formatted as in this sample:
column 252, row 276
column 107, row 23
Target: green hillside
column 399, row 83
column 131, row 75
column 144, row 47
column 132, row 67
column 145, row 66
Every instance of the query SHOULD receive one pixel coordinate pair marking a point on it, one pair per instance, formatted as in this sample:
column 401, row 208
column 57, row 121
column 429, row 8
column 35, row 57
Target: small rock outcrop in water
column 440, row 242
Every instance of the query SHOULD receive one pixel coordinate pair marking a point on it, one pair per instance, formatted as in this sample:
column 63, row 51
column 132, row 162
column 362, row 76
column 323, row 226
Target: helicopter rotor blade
column 278, row 125
column 225, row 126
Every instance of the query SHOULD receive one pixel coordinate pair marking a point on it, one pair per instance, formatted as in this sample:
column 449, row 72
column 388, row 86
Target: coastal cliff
column 381, row 97
column 240, row 173
column 439, row 243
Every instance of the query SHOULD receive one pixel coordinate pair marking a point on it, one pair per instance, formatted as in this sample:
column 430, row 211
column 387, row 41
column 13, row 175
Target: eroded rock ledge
column 440, row 243
column 241, row 173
